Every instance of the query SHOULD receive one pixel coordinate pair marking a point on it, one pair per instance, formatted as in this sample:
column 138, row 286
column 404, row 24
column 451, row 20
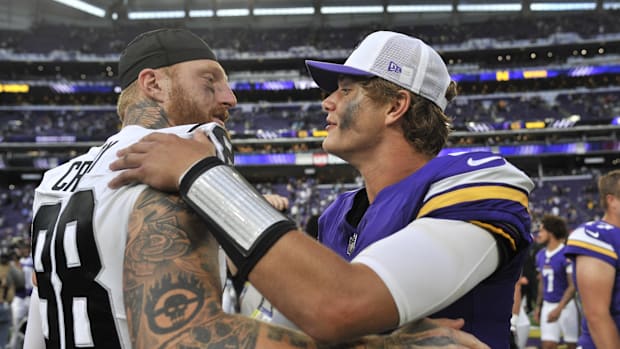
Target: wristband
column 242, row 221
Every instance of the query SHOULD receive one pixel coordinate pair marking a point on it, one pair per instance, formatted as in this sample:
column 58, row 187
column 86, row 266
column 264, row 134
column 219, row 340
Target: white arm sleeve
column 431, row 263
column 34, row 333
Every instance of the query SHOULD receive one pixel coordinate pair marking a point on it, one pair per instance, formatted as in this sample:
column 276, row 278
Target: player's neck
column 553, row 244
column 611, row 219
column 387, row 162
column 146, row 113
column 386, row 170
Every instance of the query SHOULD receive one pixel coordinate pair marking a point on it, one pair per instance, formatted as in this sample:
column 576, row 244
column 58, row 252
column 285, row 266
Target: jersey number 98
column 75, row 308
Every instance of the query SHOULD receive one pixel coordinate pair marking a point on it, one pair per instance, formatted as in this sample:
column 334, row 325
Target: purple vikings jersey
column 552, row 266
column 479, row 187
column 600, row 240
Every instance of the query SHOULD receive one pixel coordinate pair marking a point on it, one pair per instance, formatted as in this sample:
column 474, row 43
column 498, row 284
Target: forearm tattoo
column 172, row 290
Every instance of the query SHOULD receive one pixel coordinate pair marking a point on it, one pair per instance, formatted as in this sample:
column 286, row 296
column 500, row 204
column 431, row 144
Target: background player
column 594, row 247
column 556, row 310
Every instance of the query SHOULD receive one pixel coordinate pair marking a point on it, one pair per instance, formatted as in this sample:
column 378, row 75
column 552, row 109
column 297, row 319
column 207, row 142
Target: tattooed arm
column 172, row 292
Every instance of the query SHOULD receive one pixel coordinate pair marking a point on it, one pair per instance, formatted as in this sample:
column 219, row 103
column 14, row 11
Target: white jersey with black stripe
column 79, row 236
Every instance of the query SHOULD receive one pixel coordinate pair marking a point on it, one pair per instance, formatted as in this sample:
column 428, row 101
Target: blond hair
column 609, row 184
column 425, row 126
column 126, row 98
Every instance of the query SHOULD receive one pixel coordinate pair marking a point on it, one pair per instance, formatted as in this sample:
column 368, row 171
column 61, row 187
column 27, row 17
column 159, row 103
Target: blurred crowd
column 43, row 37
column 497, row 112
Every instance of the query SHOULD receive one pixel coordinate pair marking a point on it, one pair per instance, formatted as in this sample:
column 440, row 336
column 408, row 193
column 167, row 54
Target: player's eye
column 210, row 85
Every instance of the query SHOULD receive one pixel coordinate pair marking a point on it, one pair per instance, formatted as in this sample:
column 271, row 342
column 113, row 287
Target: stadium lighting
column 279, row 11
column 233, row 12
column 330, row 10
column 155, row 14
column 611, row 5
column 418, row 8
column 489, row 7
column 561, row 6
column 84, row 7
column 201, row 13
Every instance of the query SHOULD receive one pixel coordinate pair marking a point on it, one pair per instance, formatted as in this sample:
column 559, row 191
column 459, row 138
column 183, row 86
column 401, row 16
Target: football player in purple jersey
column 556, row 310
column 428, row 235
column 594, row 246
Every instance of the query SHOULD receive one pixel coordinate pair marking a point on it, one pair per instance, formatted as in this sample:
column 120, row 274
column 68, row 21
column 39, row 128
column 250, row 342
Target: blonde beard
column 183, row 109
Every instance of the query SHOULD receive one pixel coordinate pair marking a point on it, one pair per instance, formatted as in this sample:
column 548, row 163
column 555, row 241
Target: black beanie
column 160, row 48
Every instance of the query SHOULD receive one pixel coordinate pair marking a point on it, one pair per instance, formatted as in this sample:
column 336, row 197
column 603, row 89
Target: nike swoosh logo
column 472, row 162
column 594, row 234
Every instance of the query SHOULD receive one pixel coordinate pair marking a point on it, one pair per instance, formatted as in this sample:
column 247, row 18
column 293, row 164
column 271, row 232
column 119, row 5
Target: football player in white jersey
column 134, row 267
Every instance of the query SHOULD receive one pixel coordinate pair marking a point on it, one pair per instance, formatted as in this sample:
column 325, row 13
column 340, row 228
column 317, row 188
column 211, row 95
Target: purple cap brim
column 326, row 74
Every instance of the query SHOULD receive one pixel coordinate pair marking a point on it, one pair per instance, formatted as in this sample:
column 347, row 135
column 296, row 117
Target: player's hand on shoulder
column 159, row 160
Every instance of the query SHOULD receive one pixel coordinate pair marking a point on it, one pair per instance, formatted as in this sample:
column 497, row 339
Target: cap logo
column 394, row 67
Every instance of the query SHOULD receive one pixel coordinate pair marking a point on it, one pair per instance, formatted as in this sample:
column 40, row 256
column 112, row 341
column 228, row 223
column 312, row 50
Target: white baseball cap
column 396, row 57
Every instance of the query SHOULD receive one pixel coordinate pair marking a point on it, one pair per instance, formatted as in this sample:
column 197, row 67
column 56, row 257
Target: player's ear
column 151, row 83
column 398, row 106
